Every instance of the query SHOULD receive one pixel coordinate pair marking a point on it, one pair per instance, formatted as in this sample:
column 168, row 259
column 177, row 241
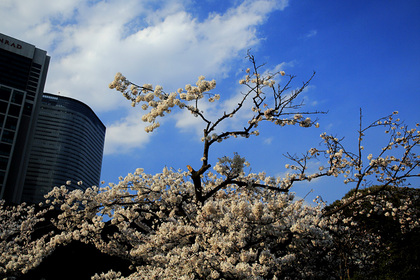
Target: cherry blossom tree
column 225, row 222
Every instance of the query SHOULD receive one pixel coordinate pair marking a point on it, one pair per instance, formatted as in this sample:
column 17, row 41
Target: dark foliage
column 76, row 261
column 400, row 257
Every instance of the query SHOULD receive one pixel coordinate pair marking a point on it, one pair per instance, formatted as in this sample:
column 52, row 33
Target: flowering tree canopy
column 225, row 222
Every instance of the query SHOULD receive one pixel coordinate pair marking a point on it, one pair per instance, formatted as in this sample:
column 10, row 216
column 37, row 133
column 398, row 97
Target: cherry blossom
column 227, row 222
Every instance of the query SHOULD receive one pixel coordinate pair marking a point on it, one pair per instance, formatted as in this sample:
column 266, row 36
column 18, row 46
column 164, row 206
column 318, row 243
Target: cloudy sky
column 365, row 54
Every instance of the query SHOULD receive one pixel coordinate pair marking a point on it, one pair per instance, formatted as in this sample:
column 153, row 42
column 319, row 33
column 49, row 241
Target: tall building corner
column 45, row 139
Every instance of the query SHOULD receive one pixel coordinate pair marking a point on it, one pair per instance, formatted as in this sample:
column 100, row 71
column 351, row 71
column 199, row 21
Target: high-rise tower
column 67, row 146
column 45, row 139
column 23, row 71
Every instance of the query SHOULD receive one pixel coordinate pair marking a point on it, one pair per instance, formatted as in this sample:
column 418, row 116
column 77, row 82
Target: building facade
column 23, row 71
column 67, row 146
column 45, row 139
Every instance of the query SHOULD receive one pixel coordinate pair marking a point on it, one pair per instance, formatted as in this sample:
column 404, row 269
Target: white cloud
column 148, row 41
column 310, row 34
column 268, row 140
column 38, row 22
column 126, row 134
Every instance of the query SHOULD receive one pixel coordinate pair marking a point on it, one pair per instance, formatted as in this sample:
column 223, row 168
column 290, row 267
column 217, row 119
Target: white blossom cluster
column 247, row 230
column 231, row 167
column 19, row 253
column 160, row 102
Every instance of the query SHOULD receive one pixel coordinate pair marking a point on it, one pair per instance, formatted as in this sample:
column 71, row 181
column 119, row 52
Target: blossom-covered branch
column 267, row 102
column 394, row 163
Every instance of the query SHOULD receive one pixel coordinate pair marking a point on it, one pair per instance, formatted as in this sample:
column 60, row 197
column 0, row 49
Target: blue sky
column 366, row 55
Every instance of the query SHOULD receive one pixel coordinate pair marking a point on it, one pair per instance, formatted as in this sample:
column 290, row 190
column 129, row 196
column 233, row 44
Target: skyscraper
column 45, row 139
column 67, row 146
column 23, row 71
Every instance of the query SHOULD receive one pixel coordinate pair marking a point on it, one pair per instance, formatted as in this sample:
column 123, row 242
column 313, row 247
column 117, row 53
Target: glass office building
column 45, row 139
column 67, row 146
column 23, row 71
